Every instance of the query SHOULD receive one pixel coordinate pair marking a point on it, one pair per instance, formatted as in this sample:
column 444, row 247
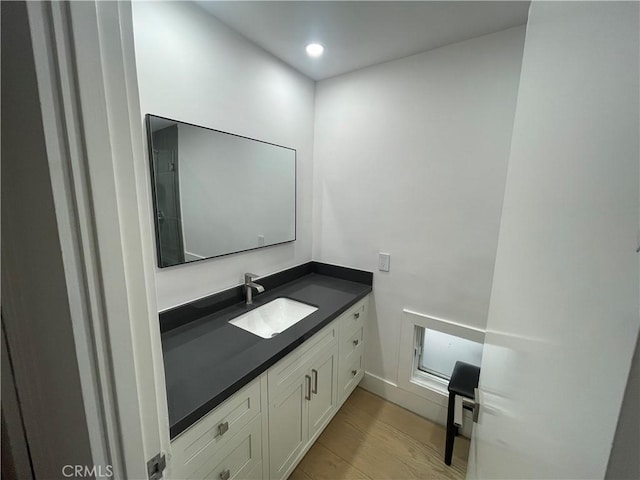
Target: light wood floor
column 370, row 438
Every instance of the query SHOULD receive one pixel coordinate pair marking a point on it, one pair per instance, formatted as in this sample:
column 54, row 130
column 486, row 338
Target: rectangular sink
column 274, row 317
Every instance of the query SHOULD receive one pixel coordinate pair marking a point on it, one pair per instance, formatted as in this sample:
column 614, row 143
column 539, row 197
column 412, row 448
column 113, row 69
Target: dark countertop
column 208, row 360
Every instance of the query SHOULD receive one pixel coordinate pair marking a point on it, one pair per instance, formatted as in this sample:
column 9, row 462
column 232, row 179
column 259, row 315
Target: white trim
column 432, row 382
column 49, row 25
column 155, row 409
column 410, row 379
column 87, row 81
column 446, row 326
column 434, row 410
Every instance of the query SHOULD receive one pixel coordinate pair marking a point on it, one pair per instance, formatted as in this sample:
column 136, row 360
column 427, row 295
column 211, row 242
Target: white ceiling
column 357, row 34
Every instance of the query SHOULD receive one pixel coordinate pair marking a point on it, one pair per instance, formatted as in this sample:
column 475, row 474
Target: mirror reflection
column 217, row 193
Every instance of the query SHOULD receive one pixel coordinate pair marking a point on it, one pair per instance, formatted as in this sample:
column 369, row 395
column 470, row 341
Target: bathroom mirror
column 216, row 193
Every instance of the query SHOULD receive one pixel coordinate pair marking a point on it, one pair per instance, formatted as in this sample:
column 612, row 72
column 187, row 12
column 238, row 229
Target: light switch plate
column 384, row 261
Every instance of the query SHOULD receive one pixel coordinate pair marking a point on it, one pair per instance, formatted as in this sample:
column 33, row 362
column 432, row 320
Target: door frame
column 85, row 66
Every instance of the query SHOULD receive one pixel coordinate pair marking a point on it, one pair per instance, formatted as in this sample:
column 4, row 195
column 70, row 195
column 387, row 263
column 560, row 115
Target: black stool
column 464, row 380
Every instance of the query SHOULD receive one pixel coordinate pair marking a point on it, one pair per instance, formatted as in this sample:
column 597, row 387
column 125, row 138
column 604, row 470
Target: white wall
column 193, row 68
column 410, row 158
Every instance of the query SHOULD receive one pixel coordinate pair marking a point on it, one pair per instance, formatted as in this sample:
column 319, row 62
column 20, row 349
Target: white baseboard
column 434, row 411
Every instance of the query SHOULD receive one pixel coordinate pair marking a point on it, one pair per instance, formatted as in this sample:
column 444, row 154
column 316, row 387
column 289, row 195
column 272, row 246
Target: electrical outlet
column 384, row 261
column 261, row 240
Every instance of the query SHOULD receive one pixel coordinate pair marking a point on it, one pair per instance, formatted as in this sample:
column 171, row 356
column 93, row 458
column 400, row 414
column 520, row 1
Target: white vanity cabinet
column 351, row 360
column 264, row 430
column 298, row 411
column 302, row 399
column 226, row 444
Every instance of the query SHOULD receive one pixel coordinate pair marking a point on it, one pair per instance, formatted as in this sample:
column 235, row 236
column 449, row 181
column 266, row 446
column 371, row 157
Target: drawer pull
column 222, row 428
column 356, row 342
column 307, row 380
column 314, row 372
column 225, row 475
column 356, row 315
column 354, row 372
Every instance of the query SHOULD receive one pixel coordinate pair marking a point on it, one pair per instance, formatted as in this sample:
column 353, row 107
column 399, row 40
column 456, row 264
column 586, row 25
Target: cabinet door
column 288, row 425
column 323, row 403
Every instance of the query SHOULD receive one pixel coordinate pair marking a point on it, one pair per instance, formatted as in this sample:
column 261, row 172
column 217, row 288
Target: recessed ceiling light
column 314, row 49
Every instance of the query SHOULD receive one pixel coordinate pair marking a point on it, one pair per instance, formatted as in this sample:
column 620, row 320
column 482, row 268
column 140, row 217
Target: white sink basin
column 273, row 317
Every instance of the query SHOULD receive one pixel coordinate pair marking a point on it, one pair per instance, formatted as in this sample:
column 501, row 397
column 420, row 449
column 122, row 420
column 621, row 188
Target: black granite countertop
column 207, row 360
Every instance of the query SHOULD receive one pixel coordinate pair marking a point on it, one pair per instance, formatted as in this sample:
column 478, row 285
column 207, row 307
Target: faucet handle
column 248, row 277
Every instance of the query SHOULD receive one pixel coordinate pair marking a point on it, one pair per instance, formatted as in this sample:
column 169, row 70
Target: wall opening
column 430, row 347
column 438, row 352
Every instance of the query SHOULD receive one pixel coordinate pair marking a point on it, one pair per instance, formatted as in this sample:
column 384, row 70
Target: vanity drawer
column 353, row 319
column 241, row 458
column 211, row 434
column 290, row 367
column 349, row 345
column 350, row 374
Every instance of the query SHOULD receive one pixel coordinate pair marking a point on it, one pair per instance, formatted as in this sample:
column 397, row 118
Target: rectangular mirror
column 216, row 193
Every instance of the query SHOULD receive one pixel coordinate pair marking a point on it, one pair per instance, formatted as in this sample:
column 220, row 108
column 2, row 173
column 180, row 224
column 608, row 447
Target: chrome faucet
column 249, row 284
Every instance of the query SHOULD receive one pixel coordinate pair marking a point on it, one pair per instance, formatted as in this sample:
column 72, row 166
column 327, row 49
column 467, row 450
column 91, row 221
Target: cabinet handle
column 314, row 372
column 354, row 372
column 222, row 428
column 307, row 380
column 356, row 315
column 225, row 474
column 356, row 342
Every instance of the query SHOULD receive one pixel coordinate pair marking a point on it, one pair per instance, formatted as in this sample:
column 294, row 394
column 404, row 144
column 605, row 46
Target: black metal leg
column 451, row 430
